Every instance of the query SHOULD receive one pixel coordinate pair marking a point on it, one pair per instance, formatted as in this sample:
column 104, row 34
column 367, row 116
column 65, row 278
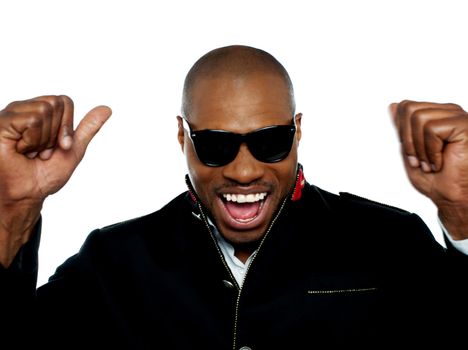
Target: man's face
column 241, row 105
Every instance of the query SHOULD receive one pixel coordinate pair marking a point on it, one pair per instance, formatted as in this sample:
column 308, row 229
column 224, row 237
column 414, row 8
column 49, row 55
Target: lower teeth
column 246, row 220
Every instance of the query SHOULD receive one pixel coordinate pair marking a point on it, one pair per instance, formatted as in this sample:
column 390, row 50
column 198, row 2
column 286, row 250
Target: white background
column 347, row 59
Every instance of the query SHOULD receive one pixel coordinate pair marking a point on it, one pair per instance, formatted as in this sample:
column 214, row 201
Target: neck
column 244, row 251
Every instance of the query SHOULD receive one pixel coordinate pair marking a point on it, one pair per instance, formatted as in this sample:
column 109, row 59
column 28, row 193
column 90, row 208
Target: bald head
column 234, row 62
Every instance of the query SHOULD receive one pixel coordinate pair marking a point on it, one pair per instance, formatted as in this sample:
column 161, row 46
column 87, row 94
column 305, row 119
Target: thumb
column 89, row 127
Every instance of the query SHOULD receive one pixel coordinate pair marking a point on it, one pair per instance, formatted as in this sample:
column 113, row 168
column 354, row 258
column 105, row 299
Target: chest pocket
column 352, row 296
column 342, row 291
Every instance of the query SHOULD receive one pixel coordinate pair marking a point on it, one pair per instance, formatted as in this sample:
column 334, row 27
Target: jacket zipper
column 207, row 225
column 239, row 288
column 248, row 268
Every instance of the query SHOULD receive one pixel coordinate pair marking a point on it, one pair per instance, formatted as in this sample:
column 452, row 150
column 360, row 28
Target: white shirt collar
column 237, row 267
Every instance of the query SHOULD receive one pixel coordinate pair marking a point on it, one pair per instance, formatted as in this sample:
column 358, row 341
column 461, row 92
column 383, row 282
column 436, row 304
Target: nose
column 244, row 169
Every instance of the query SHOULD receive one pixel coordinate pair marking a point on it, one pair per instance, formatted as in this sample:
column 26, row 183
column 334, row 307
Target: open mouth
column 244, row 208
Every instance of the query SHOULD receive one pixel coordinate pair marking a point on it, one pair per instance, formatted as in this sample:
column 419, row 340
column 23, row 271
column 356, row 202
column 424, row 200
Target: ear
column 180, row 133
column 298, row 119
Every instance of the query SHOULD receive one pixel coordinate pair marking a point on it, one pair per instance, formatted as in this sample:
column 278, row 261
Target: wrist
column 16, row 226
column 455, row 220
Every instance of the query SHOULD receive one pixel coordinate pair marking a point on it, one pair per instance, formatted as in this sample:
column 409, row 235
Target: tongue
column 243, row 211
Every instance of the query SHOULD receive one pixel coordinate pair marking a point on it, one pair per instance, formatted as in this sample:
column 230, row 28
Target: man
column 251, row 256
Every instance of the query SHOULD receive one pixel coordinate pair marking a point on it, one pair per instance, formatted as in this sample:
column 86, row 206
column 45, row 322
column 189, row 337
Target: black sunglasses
column 220, row 147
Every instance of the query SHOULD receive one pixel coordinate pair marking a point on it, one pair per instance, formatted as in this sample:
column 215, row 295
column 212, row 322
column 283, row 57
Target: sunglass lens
column 271, row 144
column 215, row 148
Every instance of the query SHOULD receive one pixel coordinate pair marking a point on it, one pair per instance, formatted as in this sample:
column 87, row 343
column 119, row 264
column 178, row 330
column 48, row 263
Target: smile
column 243, row 209
column 245, row 198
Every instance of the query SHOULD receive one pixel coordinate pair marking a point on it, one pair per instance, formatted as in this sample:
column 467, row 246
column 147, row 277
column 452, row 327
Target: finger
column 65, row 134
column 46, row 154
column 88, row 128
column 408, row 106
column 29, row 128
column 31, row 119
column 31, row 155
column 421, row 134
column 46, row 112
column 404, row 132
column 57, row 105
column 440, row 133
column 434, row 146
column 404, row 112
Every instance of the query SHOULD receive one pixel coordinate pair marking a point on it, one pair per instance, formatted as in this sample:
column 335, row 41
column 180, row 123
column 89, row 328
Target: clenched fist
column 39, row 150
column 434, row 143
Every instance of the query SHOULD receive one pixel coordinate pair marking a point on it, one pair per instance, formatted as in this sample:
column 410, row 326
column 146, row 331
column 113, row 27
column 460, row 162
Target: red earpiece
column 300, row 183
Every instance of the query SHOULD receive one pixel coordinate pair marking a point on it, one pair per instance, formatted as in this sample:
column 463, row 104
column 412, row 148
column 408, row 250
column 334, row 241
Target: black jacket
column 334, row 271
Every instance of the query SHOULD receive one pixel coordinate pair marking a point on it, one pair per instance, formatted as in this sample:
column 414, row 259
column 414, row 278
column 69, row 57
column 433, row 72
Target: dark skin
column 39, row 150
column 434, row 144
column 254, row 102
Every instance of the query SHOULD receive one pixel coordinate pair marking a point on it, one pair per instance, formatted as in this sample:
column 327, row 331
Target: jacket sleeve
column 18, row 292
column 45, row 317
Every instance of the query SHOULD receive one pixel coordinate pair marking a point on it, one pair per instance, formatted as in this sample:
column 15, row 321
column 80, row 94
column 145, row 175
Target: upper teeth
column 245, row 198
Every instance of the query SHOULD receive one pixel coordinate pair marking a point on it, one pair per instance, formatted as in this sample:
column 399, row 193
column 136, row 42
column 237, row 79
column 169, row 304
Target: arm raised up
column 39, row 150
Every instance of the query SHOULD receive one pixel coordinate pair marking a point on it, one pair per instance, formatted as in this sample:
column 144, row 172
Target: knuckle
column 418, row 118
column 50, row 99
column 12, row 105
column 4, row 114
column 453, row 105
column 403, row 107
column 44, row 108
column 66, row 99
column 56, row 102
column 34, row 120
column 428, row 131
column 67, row 107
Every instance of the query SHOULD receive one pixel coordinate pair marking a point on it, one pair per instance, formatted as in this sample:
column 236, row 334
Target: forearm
column 17, row 224
column 455, row 220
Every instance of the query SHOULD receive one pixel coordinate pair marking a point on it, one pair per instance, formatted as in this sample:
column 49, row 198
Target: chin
column 243, row 237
